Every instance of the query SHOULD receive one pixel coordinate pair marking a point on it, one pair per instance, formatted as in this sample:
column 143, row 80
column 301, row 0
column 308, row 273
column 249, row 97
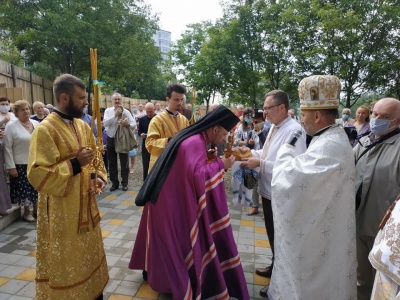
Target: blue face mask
column 248, row 120
column 345, row 117
column 379, row 126
column 134, row 110
column 85, row 110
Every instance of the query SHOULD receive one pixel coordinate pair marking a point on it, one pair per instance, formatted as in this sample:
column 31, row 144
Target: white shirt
column 16, row 144
column 282, row 134
column 110, row 121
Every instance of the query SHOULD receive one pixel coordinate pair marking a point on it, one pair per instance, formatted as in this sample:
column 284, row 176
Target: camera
column 351, row 133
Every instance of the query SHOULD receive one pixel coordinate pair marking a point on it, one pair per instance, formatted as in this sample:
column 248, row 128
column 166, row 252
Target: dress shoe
column 124, row 188
column 264, row 272
column 264, row 291
column 113, row 188
column 253, row 211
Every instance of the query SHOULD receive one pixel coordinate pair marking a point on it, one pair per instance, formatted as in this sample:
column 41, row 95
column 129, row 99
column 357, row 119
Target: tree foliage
column 57, row 34
column 261, row 45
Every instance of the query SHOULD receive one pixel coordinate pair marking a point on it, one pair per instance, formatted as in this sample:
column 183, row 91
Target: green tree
column 57, row 34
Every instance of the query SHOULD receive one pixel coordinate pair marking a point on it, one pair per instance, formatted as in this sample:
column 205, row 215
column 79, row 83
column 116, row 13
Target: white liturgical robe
column 314, row 218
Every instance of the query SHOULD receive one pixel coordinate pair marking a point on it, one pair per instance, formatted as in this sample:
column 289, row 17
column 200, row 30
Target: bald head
column 387, row 109
column 149, row 109
column 390, row 104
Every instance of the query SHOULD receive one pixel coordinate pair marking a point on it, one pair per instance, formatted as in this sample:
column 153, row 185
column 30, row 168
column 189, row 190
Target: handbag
column 249, row 180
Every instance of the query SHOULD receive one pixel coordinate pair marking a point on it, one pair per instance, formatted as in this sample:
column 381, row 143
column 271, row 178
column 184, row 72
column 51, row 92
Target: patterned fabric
column 185, row 241
column 21, row 190
column 385, row 258
column 319, row 92
column 162, row 127
column 70, row 257
column 314, row 220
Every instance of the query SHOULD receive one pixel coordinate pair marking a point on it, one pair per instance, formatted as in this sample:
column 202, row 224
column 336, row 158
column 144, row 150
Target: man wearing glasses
column 276, row 106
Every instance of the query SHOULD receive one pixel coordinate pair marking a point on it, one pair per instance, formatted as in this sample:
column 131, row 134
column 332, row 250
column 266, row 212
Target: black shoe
column 124, row 188
column 144, row 274
column 264, row 291
column 113, row 188
column 265, row 272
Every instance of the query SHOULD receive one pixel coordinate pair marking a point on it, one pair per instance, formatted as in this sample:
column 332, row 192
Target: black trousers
column 269, row 224
column 113, row 163
column 145, row 160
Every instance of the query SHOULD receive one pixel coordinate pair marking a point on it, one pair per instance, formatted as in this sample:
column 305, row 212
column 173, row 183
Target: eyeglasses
column 269, row 107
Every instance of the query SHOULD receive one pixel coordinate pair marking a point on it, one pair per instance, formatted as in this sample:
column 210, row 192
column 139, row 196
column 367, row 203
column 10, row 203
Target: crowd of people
column 325, row 184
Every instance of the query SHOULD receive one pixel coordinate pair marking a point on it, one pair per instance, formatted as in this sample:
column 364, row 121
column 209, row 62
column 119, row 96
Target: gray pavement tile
column 245, row 248
column 118, row 273
column 262, row 250
column 248, row 267
column 111, row 260
column 10, row 248
column 128, row 212
column 235, row 227
column 112, row 285
column 11, row 271
column 247, row 229
column 124, row 229
column 7, row 238
column 245, row 241
column 250, row 288
column 15, row 297
column 13, row 286
column 246, row 235
column 20, row 231
column 134, row 275
column 24, row 241
column 114, row 251
column 129, row 288
column 249, row 277
column 249, row 257
column 28, row 290
column 260, row 236
column 4, row 296
column 9, row 259
column 27, row 261
column 122, row 263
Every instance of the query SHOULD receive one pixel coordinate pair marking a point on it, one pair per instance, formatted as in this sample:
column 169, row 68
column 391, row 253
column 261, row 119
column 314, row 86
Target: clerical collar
column 62, row 115
column 171, row 113
column 321, row 131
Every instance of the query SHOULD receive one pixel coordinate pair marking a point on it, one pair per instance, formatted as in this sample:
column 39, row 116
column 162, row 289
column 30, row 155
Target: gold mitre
column 319, row 92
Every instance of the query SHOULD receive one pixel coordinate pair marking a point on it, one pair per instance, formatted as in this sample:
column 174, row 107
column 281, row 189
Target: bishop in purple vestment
column 185, row 240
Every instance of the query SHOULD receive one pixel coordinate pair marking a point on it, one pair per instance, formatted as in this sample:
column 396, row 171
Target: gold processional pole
column 96, row 119
column 193, row 100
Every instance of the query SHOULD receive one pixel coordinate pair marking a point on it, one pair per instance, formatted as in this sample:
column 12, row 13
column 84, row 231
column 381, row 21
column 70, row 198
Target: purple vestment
column 185, row 240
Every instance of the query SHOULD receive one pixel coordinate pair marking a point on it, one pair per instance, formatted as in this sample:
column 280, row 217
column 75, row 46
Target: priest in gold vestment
column 167, row 123
column 71, row 262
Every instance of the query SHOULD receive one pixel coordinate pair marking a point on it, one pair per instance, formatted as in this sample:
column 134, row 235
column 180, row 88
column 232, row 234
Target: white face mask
column 4, row 108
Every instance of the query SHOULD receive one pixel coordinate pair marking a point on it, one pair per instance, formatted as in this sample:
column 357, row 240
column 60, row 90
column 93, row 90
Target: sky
column 174, row 15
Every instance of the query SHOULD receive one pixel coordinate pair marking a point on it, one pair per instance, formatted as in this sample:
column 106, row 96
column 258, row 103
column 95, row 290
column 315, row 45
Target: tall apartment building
column 162, row 40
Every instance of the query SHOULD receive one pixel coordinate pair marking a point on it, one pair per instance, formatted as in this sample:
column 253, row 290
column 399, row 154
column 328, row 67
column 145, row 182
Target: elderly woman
column 362, row 122
column 38, row 109
column 16, row 145
column 5, row 117
column 244, row 136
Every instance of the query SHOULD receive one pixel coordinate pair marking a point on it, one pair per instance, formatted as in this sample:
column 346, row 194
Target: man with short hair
column 185, row 240
column 166, row 124
column 141, row 111
column 158, row 109
column 377, row 183
column 345, row 120
column 276, row 107
column 70, row 258
column 143, row 127
column 113, row 117
column 314, row 204
column 184, row 111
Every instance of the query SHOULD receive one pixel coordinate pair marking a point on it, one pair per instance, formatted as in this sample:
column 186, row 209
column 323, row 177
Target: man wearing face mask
column 377, row 183
column 345, row 120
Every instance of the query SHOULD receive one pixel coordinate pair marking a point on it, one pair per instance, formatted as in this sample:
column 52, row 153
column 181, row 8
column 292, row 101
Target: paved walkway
column 120, row 220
